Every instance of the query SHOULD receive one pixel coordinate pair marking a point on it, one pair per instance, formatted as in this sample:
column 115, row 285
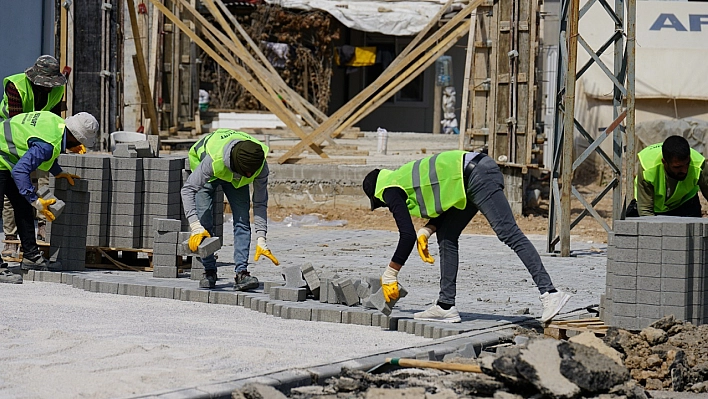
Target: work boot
column 11, row 249
column 34, row 263
column 436, row 313
column 6, row 276
column 552, row 304
column 209, row 279
column 244, row 281
column 41, row 232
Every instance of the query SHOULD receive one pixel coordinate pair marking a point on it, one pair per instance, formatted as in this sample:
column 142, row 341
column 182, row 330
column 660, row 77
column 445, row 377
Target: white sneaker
column 436, row 313
column 552, row 304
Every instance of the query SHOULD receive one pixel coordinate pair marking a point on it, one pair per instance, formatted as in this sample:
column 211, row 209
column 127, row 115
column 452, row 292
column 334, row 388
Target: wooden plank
column 329, row 161
column 491, row 96
column 141, row 70
column 239, row 73
column 63, row 38
column 469, row 65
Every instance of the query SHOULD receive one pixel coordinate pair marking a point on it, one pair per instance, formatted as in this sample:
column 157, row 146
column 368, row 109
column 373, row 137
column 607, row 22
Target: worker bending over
column 34, row 141
column 232, row 160
column 449, row 189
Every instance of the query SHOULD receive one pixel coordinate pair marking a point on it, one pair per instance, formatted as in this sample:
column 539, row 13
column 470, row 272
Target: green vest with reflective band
column 24, row 87
column 18, row 130
column 433, row 184
column 655, row 174
column 213, row 145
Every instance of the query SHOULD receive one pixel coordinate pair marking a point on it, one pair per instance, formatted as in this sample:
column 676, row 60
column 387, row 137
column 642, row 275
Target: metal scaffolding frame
column 623, row 99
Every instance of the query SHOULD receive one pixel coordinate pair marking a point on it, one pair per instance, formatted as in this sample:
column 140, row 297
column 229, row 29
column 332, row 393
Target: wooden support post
column 469, row 61
column 63, row 46
column 141, row 70
column 437, row 108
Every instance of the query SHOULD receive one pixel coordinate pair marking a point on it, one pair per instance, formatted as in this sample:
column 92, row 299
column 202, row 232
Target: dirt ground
column 533, row 222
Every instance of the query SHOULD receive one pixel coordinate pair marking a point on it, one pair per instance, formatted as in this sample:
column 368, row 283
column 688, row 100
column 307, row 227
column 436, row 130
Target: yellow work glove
column 422, row 244
column 389, row 284
column 262, row 249
column 68, row 176
column 198, row 234
column 79, row 149
column 43, row 207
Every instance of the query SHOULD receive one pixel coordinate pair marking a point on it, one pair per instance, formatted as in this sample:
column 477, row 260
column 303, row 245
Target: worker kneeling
column 670, row 176
column 34, row 141
column 449, row 189
column 232, row 160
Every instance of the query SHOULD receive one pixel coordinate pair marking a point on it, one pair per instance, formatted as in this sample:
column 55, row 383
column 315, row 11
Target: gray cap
column 45, row 72
column 84, row 127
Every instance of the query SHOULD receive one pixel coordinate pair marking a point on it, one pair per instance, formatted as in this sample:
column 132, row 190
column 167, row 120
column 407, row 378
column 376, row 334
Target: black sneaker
column 209, row 279
column 37, row 263
column 6, row 276
column 244, row 281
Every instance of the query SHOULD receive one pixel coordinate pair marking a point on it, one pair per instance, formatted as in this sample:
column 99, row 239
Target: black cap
column 369, row 186
column 247, row 157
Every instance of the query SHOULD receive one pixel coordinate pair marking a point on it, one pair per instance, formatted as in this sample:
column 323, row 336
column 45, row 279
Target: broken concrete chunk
column 257, row 391
column 540, row 364
column 589, row 369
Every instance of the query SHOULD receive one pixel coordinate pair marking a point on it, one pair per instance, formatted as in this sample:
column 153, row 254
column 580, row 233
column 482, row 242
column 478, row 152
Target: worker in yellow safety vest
column 448, row 189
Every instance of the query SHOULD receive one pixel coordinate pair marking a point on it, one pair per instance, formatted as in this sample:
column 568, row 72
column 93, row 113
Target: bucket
column 382, row 144
column 125, row 137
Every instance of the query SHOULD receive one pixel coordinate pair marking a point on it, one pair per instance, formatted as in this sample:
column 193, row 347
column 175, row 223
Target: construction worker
column 33, row 141
column 449, row 189
column 670, row 175
column 39, row 88
column 232, row 160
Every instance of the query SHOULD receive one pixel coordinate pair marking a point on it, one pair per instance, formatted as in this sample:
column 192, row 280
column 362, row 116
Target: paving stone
column 626, row 227
column 346, row 292
column 166, row 237
column 208, row 246
column 268, row 285
column 288, row 294
column 222, row 298
column 161, row 292
column 311, row 278
column 67, row 278
column 648, row 298
column 682, row 271
column 197, row 270
column 296, row 313
column 108, row 288
column 649, row 256
column 358, row 317
column 622, row 241
column 167, row 225
column 293, row 277
column 648, row 270
column 622, row 255
column 624, row 296
column 676, row 228
column 328, row 315
column 194, row 295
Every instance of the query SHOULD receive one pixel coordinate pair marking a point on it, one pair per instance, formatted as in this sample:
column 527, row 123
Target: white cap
column 84, row 127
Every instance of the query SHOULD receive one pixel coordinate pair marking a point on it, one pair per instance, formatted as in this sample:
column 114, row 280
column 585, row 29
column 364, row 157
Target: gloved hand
column 422, row 244
column 79, row 149
column 262, row 249
column 389, row 284
column 43, row 207
column 198, row 234
column 68, row 176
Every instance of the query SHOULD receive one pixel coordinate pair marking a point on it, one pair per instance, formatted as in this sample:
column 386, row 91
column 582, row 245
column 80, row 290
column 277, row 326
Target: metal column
column 621, row 129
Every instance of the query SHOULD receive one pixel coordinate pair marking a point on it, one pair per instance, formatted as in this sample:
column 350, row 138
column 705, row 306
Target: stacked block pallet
column 67, row 234
column 656, row 266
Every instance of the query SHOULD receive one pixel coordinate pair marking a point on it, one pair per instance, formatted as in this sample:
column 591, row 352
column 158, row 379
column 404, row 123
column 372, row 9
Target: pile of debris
column 668, row 355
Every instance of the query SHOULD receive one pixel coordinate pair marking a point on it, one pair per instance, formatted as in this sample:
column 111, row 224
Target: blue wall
column 27, row 31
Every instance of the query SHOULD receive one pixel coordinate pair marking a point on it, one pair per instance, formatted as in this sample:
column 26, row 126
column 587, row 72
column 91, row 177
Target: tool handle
column 471, row 368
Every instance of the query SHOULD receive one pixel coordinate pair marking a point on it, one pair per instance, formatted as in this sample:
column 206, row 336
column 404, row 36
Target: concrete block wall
column 656, row 266
column 67, row 233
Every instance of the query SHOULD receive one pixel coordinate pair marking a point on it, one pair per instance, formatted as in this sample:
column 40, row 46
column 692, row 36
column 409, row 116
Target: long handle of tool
column 471, row 368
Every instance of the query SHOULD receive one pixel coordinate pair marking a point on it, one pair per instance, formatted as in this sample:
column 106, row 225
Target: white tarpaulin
column 671, row 50
column 396, row 18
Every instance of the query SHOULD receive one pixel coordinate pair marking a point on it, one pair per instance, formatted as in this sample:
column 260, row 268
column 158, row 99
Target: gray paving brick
column 197, row 270
column 358, row 317
column 164, row 271
column 288, row 294
column 167, row 225
column 328, row 315
column 649, row 297
column 625, row 282
column 676, row 285
column 677, row 228
column 132, row 289
column 296, row 313
column 164, row 248
column 108, row 288
column 346, row 291
column 677, row 243
column 622, row 268
column 649, row 226
column 626, row 227
column 269, row 307
column 293, row 277
column 268, row 285
column 649, row 256
column 648, row 270
column 678, row 270
column 627, row 322
column 674, row 257
column 247, row 301
column 680, row 312
column 170, row 237
column 164, row 261
column 622, row 241
column 67, row 278
column 255, row 302
column 311, row 278
column 125, row 151
column 240, row 298
column 277, row 309
column 222, row 298
column 674, row 299
column 624, row 296
column 418, row 327
column 649, row 284
column 209, row 246
column 77, row 283
column 624, row 309
column 622, row 255
column 194, row 295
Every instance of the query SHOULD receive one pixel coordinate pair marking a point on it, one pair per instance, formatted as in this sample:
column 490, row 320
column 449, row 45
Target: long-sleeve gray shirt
column 204, row 172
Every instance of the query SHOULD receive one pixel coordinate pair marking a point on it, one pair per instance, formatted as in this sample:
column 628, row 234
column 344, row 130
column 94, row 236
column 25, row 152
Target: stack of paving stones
column 164, row 253
column 162, row 182
column 67, row 233
column 125, row 221
column 656, row 266
column 127, row 283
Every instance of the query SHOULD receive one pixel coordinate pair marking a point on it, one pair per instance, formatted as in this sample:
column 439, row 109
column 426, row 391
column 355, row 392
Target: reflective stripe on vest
column 654, row 173
column 433, row 184
column 20, row 129
column 24, row 87
column 213, row 145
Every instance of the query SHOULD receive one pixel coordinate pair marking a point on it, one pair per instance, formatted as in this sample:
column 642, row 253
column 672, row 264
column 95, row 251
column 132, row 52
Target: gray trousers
column 485, row 193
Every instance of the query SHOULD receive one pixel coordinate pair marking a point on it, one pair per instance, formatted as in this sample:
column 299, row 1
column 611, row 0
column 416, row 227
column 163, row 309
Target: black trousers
column 690, row 208
column 24, row 214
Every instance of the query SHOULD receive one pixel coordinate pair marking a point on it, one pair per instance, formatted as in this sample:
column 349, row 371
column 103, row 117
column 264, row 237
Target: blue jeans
column 240, row 201
column 485, row 193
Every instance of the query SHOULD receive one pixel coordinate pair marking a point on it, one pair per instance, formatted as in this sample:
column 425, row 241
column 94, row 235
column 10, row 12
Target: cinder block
column 649, row 284
column 675, row 285
column 680, row 312
column 649, row 256
column 164, row 271
column 327, row 315
column 167, row 225
column 648, row 270
column 358, row 317
column 346, row 292
column 626, row 322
